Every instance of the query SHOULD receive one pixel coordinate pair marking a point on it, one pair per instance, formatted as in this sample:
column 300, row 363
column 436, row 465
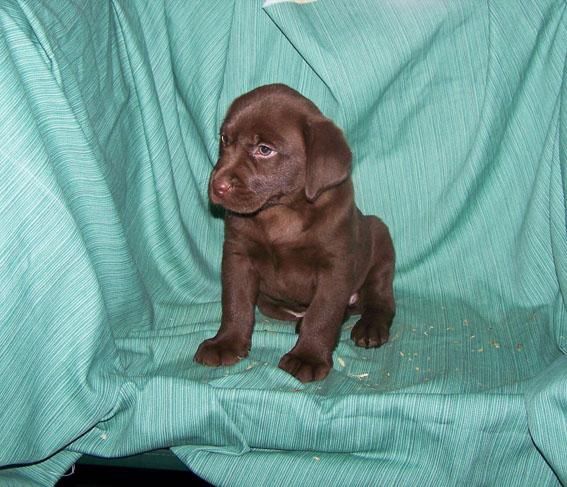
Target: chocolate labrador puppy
column 295, row 243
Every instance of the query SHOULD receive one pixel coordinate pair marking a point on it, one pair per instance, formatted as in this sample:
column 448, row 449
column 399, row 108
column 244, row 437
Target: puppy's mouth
column 242, row 201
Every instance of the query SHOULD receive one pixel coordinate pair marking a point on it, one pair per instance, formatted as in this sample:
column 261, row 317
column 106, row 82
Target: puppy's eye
column 264, row 151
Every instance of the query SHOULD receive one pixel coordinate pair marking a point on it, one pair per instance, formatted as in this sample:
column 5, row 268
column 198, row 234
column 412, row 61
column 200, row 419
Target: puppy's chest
column 282, row 259
column 282, row 228
column 284, row 252
column 286, row 272
column 283, row 243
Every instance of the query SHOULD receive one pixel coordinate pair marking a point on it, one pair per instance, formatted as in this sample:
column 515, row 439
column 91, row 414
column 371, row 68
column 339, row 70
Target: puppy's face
column 275, row 145
column 262, row 159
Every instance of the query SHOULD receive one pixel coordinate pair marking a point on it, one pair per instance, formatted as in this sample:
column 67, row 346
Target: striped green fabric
column 110, row 254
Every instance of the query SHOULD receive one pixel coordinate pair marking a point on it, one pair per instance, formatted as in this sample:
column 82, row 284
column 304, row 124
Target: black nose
column 221, row 187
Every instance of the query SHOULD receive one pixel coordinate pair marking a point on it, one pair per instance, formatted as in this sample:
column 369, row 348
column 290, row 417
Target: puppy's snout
column 221, row 187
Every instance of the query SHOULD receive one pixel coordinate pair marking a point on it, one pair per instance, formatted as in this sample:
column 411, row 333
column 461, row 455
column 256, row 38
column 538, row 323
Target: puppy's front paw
column 305, row 368
column 370, row 331
column 214, row 353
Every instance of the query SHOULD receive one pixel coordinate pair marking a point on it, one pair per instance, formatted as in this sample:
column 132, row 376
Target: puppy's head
column 274, row 145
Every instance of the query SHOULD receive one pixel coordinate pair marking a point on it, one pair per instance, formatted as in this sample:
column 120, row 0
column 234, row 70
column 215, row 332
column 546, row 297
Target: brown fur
column 295, row 243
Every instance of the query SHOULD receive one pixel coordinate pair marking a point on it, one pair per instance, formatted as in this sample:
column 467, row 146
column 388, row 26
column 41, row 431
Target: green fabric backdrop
column 109, row 253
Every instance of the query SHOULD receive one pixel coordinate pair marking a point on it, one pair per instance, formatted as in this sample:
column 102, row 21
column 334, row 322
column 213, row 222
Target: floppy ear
column 328, row 157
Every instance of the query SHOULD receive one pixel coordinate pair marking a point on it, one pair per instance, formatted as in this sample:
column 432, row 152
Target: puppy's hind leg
column 378, row 307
